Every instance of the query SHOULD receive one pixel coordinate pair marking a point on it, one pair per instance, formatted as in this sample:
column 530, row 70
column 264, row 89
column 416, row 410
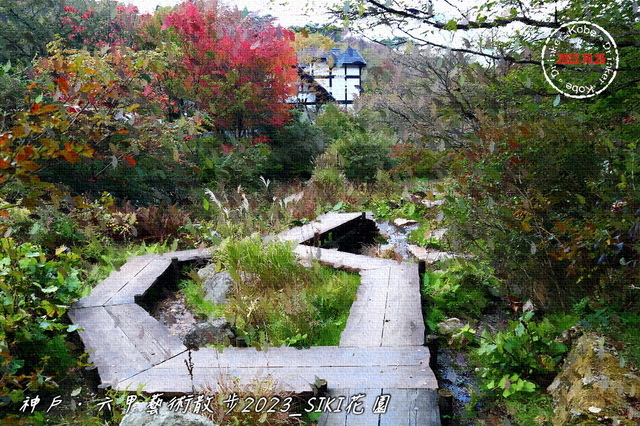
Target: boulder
column 213, row 332
column 138, row 416
column 594, row 387
column 217, row 287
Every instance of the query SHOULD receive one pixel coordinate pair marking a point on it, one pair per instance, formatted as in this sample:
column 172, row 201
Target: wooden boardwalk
column 381, row 349
column 121, row 338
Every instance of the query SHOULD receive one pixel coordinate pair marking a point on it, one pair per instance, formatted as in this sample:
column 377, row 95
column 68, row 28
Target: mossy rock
column 594, row 386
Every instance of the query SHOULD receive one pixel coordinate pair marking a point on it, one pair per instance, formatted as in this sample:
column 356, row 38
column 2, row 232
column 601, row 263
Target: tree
column 87, row 115
column 239, row 75
column 28, row 25
column 418, row 93
column 504, row 31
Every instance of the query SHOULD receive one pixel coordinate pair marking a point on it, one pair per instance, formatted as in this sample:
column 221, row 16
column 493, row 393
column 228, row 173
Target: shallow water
column 396, row 237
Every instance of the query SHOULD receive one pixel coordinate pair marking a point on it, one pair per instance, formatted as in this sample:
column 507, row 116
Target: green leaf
column 452, row 25
column 51, row 289
column 72, row 328
column 528, row 386
column 556, row 101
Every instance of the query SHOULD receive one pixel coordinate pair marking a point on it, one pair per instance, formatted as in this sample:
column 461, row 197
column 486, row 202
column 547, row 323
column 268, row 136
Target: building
column 333, row 76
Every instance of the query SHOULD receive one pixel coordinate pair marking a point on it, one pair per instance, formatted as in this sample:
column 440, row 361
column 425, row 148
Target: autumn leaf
column 130, row 160
column 24, row 153
column 63, row 84
column 71, row 156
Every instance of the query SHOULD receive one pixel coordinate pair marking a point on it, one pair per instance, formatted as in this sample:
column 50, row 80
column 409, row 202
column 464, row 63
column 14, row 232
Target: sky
column 287, row 15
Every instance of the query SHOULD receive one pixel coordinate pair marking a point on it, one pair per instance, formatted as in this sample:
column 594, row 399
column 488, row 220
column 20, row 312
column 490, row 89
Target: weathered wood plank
column 342, row 260
column 403, row 321
column 406, row 407
column 359, row 413
column 406, row 367
column 110, row 350
column 152, row 339
column 118, row 279
column 365, row 323
column 321, row 225
column 295, row 379
column 189, row 255
column 411, row 407
column 141, row 282
column 328, row 356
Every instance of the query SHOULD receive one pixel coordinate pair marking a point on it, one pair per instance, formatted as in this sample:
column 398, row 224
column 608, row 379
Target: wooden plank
column 141, row 282
column 327, row 356
column 403, row 321
column 189, row 255
column 118, row 279
column 321, row 225
column 365, row 323
column 110, row 350
column 295, row 379
column 342, row 260
column 152, row 339
column 406, row 367
column 411, row 407
column 414, row 407
column 359, row 413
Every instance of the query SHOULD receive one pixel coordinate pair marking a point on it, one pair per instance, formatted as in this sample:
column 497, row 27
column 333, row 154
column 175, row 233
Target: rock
column 138, row 416
column 404, row 222
column 214, row 332
column 207, row 271
column 438, row 234
column 217, row 287
column 450, row 326
column 429, row 255
column 594, row 386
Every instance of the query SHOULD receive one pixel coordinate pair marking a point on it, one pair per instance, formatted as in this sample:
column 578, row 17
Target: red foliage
column 240, row 74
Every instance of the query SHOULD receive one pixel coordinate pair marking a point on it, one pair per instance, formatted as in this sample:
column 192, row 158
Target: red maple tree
column 239, row 73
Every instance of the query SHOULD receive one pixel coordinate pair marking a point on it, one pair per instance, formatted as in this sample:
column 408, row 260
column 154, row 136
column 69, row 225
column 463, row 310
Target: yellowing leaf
column 525, row 226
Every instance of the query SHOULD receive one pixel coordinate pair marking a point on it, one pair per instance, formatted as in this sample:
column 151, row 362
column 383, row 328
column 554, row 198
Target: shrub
column 293, row 149
column 363, row 155
column 242, row 166
column 524, row 357
column 414, row 161
column 35, row 292
column 462, row 290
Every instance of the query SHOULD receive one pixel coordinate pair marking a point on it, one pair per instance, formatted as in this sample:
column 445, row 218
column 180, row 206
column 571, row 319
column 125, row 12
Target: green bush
column 363, row 155
column 462, row 290
column 242, row 166
column 512, row 195
column 35, row 292
column 524, row 357
column 293, row 149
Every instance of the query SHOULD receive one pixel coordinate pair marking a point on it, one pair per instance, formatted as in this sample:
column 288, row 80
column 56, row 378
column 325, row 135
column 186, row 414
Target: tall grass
column 279, row 301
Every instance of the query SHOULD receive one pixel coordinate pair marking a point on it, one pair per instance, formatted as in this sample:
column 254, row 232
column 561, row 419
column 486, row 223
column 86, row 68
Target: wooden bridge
column 381, row 349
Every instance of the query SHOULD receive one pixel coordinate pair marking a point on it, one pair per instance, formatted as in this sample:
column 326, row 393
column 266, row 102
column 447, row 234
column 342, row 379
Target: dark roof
column 349, row 57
